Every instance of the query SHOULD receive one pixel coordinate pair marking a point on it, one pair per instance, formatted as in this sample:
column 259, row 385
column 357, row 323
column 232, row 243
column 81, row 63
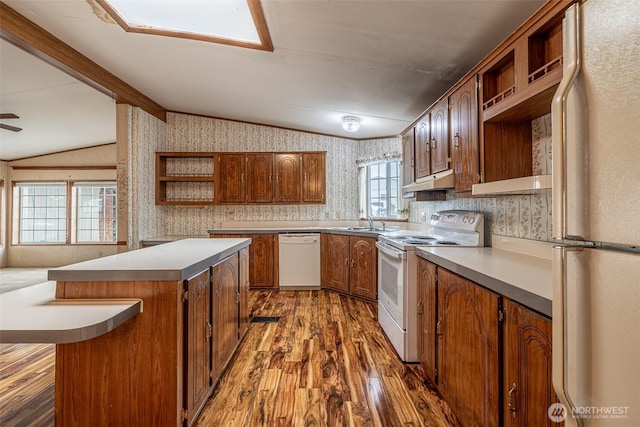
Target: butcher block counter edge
column 33, row 315
column 524, row 279
column 177, row 260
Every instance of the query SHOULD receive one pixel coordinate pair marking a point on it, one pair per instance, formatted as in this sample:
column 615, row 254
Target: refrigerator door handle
column 572, row 61
column 560, row 356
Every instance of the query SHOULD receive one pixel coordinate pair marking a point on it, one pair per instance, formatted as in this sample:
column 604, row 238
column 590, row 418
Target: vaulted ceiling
column 384, row 61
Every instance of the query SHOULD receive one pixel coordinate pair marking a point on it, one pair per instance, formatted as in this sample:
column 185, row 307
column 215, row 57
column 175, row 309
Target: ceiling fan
column 7, row 127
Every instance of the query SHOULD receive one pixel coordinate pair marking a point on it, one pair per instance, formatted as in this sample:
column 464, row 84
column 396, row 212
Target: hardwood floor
column 325, row 362
column 27, row 384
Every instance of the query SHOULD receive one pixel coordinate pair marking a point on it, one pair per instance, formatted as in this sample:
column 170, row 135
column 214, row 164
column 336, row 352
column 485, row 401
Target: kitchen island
column 159, row 367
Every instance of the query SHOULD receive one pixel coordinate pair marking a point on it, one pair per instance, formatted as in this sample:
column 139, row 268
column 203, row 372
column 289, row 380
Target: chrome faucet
column 370, row 222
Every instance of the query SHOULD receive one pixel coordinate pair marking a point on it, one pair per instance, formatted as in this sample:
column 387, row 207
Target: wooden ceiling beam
column 32, row 38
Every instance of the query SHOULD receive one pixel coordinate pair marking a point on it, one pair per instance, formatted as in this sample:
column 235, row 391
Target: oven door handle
column 390, row 251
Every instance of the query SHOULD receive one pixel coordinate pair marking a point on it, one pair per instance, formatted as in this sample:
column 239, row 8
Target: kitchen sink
column 361, row 229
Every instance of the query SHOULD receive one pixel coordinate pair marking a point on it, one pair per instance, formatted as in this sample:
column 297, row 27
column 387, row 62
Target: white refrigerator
column 596, row 217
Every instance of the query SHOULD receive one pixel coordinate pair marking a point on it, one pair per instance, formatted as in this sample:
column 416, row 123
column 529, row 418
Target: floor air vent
column 259, row 319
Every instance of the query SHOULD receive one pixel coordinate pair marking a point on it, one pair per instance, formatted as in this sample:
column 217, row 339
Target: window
column 43, row 213
column 96, row 212
column 383, row 189
column 64, row 213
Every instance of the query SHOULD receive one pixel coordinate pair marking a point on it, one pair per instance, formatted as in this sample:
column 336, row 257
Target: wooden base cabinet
column 468, row 356
column 198, row 332
column 264, row 256
column 350, row 265
column 159, row 368
column 489, row 356
column 427, row 310
column 527, row 367
column 225, row 313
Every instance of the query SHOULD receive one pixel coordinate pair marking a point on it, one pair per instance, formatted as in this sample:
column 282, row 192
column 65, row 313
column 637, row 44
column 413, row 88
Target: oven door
column 391, row 281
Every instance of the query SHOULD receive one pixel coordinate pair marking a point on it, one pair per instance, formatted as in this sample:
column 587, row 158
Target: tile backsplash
column 517, row 216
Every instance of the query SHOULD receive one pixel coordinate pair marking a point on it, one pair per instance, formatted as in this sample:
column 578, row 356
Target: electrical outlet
column 423, row 216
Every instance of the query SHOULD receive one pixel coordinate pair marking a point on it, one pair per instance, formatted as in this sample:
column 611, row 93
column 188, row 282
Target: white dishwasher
column 299, row 260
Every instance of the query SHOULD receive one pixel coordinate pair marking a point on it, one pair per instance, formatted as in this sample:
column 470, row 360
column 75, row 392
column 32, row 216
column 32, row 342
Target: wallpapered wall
column 517, row 216
column 195, row 133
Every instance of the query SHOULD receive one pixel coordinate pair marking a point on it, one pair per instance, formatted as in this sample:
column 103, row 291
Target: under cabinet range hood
column 439, row 181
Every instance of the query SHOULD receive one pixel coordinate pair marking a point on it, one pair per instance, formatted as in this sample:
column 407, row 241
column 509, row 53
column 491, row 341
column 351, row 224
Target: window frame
column 365, row 183
column 71, row 218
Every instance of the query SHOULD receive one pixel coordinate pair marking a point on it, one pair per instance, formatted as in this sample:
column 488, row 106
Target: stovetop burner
column 449, row 228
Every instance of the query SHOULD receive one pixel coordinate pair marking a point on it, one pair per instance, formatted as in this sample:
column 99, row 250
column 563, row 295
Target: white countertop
column 523, row 278
column 177, row 260
column 33, row 315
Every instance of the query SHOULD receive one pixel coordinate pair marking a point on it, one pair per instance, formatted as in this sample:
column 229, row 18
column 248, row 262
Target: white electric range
column 397, row 273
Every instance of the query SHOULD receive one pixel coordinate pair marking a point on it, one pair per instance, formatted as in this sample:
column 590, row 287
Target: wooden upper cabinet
column 527, row 391
column 313, row 178
column 439, row 142
column 427, row 307
column 422, row 148
column 464, row 135
column 259, row 178
column 288, row 177
column 230, row 178
column 408, row 157
column 201, row 178
column 363, row 267
column 467, row 328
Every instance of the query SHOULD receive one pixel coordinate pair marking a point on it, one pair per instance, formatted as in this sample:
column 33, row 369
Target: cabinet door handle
column 241, row 177
column 209, row 331
column 420, row 309
column 353, row 263
column 434, row 144
column 269, row 177
column 510, row 404
column 346, row 261
column 456, row 140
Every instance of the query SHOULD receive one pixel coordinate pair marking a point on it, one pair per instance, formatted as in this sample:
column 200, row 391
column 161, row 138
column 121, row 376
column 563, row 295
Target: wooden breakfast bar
column 187, row 309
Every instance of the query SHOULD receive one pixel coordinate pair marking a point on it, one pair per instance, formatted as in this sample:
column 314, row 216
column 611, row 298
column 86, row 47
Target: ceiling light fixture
column 350, row 123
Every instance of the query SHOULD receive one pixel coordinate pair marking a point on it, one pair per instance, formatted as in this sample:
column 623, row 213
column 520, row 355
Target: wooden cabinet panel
column 198, row 330
column 427, row 306
column 464, row 135
column 336, row 262
column 263, row 256
column 314, row 178
column 527, row 391
column 244, row 312
column 230, row 178
column 288, row 177
column 105, row 382
column 363, row 267
column 408, row 157
column 468, row 349
column 439, row 142
column 350, row 265
column 224, row 279
column 422, row 148
column 259, row 178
